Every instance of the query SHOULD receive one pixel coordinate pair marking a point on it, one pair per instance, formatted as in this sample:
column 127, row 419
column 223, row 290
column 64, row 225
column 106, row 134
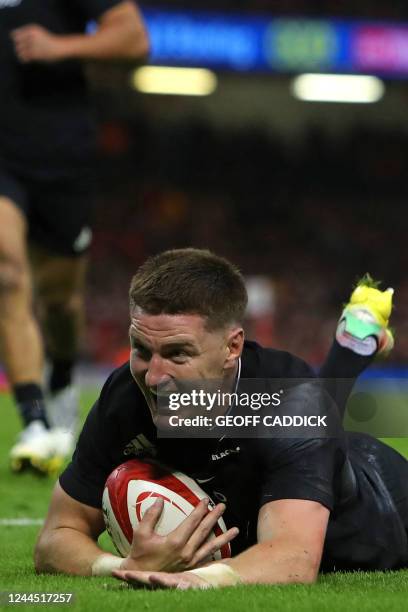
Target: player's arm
column 68, row 541
column 291, row 535
column 121, row 34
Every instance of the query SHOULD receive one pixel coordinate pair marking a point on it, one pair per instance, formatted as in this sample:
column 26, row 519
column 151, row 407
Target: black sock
column 30, row 401
column 344, row 363
column 61, row 374
column 340, row 371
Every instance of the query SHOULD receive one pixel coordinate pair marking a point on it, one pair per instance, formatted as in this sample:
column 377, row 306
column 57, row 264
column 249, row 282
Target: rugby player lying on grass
column 300, row 504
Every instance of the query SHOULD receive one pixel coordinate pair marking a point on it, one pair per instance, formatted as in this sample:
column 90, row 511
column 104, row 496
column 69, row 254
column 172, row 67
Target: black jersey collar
column 250, row 361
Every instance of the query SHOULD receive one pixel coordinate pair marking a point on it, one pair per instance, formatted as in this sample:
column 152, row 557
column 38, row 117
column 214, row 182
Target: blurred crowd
column 310, row 219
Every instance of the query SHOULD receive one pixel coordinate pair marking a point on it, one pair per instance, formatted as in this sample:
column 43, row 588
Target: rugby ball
column 134, row 486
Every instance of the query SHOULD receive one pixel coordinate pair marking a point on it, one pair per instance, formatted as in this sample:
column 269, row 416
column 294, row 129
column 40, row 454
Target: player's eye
column 178, row 356
column 140, row 350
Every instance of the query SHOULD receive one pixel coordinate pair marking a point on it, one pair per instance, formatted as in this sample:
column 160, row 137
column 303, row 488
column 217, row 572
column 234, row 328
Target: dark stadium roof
column 375, row 9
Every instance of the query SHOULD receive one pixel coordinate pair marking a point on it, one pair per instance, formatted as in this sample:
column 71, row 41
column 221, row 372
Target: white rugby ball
column 134, row 486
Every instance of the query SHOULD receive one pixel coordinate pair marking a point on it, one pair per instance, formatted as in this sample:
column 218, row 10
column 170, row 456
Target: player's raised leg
column 60, row 283
column 20, row 341
column 362, row 333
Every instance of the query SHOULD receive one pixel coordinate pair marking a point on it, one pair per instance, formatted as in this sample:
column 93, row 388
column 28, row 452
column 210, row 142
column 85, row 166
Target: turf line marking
column 20, row 522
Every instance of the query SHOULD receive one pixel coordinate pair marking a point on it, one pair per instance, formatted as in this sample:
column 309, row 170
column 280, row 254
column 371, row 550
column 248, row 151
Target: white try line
column 20, row 522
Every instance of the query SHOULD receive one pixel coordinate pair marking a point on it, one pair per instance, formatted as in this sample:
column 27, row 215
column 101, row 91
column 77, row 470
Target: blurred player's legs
column 20, row 340
column 59, row 283
column 52, row 215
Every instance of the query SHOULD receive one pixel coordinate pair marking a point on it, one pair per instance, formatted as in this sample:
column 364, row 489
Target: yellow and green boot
column 363, row 325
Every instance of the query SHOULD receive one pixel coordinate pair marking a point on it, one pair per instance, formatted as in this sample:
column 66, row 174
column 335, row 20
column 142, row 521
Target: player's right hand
column 184, row 548
column 33, row 43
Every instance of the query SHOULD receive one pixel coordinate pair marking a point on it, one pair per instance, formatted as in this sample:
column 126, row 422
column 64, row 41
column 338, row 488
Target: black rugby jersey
column 44, row 118
column 362, row 482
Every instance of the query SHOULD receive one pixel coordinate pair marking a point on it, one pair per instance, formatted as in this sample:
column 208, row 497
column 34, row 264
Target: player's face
column 169, row 349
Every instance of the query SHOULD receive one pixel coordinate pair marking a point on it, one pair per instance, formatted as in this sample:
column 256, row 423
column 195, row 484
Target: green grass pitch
column 27, row 497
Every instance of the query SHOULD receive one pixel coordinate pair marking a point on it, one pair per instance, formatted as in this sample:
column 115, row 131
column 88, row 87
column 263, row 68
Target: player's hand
column 33, row 43
column 162, row 580
column 184, row 548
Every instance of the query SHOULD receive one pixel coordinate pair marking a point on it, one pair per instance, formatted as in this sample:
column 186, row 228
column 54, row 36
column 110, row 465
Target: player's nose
column 156, row 373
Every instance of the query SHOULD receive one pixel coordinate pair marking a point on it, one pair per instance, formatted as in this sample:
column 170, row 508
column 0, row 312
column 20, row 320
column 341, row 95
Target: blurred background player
column 46, row 150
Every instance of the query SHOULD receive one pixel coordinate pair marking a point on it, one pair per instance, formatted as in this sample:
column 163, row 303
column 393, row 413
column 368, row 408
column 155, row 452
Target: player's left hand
column 162, row 580
column 33, row 43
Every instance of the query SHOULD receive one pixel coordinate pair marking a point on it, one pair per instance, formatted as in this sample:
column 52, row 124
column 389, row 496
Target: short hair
column 190, row 281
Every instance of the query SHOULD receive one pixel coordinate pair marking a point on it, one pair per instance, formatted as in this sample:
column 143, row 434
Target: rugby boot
column 35, row 451
column 364, row 323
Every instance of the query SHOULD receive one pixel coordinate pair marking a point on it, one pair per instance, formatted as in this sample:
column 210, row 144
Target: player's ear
column 235, row 344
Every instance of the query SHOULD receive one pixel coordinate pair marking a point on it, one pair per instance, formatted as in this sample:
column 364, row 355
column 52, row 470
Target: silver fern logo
column 9, row 3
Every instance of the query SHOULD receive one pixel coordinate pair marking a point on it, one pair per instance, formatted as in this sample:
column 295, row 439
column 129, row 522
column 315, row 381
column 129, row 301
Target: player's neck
column 232, row 378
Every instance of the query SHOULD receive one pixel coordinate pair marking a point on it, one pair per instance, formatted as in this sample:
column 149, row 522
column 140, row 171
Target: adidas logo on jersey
column 140, row 446
column 9, row 3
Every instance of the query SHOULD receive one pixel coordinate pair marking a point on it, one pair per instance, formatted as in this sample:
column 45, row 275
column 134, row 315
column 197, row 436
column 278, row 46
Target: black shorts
column 370, row 532
column 58, row 210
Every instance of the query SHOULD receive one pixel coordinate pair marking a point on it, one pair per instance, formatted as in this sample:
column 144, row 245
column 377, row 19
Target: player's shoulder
column 120, row 391
column 261, row 362
column 118, row 379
